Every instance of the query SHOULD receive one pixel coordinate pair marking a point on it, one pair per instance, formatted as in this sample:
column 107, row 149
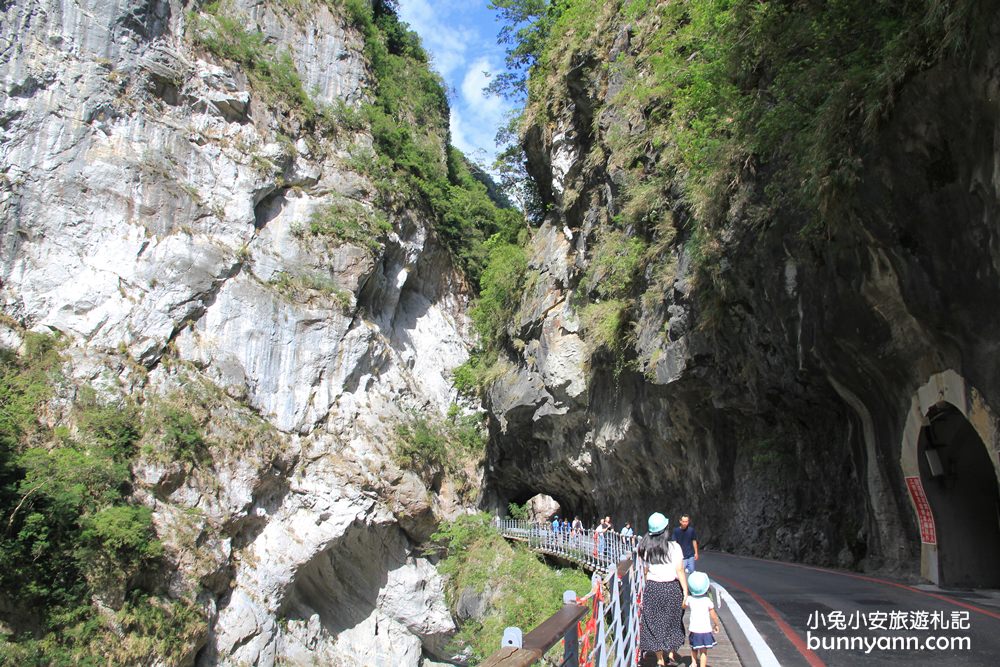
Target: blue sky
column 461, row 37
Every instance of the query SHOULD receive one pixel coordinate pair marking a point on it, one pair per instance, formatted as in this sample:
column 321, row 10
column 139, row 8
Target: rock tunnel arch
column 950, row 458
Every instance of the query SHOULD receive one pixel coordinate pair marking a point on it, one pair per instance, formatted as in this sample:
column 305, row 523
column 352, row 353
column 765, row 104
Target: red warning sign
column 928, row 535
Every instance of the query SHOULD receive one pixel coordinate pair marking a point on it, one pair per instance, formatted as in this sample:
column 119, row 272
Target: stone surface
column 772, row 411
column 542, row 508
column 152, row 209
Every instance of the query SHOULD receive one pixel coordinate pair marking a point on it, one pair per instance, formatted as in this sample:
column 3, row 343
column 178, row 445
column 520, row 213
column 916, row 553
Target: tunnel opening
column 960, row 481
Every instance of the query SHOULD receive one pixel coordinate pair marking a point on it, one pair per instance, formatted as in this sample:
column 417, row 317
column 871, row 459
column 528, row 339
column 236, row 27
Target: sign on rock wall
column 928, row 535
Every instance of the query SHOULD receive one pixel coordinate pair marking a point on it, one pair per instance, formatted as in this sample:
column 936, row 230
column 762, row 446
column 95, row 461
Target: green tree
column 525, row 28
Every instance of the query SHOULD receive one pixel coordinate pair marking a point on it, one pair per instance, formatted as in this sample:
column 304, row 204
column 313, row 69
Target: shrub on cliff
column 520, row 589
column 500, row 289
column 273, row 74
column 500, row 292
column 73, row 535
column 614, row 265
column 347, row 221
column 434, row 447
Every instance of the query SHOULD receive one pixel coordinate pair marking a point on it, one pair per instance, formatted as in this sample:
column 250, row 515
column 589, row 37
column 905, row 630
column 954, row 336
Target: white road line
column 760, row 648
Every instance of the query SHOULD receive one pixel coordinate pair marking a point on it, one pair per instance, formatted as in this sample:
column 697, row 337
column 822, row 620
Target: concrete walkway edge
column 745, row 639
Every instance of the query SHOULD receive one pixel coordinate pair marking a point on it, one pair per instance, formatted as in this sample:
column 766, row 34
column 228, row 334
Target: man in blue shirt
column 685, row 536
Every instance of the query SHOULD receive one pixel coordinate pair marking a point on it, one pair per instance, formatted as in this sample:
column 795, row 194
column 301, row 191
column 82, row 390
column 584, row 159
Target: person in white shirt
column 665, row 594
column 602, row 528
column 704, row 620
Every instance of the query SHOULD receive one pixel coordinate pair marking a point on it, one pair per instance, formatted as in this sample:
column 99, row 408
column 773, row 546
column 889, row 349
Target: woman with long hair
column 665, row 594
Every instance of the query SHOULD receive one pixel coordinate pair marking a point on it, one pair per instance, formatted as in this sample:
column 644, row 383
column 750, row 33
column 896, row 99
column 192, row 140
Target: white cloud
column 455, row 33
column 458, row 138
column 475, row 141
column 419, row 14
column 481, row 114
column 476, row 78
column 447, row 43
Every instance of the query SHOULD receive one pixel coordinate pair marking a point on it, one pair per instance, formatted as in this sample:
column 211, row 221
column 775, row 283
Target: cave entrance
column 960, row 483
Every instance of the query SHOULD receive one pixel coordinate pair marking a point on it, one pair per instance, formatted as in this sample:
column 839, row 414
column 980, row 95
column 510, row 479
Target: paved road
column 791, row 606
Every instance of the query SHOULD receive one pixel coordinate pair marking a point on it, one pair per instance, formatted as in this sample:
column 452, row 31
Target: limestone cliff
column 769, row 384
column 161, row 204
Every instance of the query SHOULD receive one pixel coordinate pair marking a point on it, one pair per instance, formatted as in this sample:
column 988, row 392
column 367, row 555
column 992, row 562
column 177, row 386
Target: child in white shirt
column 704, row 620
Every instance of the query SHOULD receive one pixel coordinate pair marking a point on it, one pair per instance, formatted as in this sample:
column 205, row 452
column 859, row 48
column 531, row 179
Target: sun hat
column 657, row 523
column 698, row 583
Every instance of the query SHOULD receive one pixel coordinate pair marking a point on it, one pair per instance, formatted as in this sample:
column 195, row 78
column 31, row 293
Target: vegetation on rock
column 413, row 163
column 433, row 447
column 728, row 88
column 722, row 117
column 351, row 222
column 74, row 539
column 519, row 588
column 272, row 73
column 500, row 289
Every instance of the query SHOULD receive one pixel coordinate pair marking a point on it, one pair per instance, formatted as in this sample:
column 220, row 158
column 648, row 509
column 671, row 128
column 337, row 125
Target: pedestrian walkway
column 617, row 629
column 723, row 654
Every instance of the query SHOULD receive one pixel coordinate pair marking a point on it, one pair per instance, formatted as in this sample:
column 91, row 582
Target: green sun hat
column 657, row 523
column 698, row 583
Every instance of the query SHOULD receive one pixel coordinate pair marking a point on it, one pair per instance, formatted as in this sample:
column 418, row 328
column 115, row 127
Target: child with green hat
column 704, row 620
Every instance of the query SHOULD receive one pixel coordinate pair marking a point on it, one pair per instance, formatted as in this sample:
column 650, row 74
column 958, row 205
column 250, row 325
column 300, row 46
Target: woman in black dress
column 665, row 594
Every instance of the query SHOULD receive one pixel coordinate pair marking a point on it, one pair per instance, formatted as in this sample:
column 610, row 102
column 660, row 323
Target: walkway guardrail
column 593, row 550
column 609, row 634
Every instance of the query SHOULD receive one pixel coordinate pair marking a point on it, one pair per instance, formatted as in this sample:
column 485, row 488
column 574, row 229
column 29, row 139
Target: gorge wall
column 223, row 226
column 187, row 204
column 756, row 375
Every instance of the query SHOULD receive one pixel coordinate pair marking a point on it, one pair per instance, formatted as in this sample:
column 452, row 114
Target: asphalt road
column 814, row 616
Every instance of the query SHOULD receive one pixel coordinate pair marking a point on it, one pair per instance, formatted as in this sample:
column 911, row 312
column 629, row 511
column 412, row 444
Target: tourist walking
column 576, row 533
column 665, row 594
column 609, row 529
column 599, row 539
column 704, row 619
column 685, row 536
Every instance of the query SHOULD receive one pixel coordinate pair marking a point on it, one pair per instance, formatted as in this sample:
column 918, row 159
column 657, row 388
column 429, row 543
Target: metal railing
column 609, row 636
column 593, row 550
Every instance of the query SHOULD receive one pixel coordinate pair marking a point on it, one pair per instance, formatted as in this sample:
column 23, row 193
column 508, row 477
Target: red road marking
column 790, row 633
column 884, row 582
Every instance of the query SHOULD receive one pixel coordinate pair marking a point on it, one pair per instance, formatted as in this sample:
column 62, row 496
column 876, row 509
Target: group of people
column 673, row 584
column 565, row 526
column 606, row 542
column 603, row 527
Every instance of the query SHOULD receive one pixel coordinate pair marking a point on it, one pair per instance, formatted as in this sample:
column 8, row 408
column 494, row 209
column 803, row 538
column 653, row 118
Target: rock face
column 541, row 508
column 774, row 414
column 152, row 209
